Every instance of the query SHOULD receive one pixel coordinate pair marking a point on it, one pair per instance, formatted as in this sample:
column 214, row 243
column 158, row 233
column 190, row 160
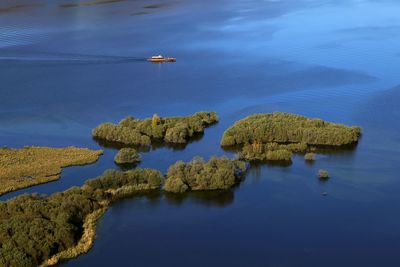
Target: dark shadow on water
column 18, row 8
column 140, row 13
column 153, row 196
column 310, row 162
column 334, row 150
column 322, row 150
column 270, row 163
column 90, row 3
column 218, row 198
column 322, row 180
column 127, row 166
column 155, row 6
column 156, row 144
column 118, row 146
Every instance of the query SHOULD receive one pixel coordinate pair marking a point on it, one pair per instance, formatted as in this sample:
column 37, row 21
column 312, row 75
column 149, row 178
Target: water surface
column 66, row 66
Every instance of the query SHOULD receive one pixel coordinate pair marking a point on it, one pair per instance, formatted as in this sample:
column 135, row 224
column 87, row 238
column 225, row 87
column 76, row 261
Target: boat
column 160, row 58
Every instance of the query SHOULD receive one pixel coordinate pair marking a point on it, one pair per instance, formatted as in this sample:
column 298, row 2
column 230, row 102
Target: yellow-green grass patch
column 28, row 166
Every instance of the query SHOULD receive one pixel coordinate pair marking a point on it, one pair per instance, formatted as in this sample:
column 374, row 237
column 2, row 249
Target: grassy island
column 217, row 173
column 176, row 130
column 20, row 168
column 282, row 127
column 309, row 156
column 276, row 136
column 127, row 156
column 44, row 230
column 323, row 174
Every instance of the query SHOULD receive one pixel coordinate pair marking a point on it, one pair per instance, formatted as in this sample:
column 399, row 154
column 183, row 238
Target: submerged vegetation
column 217, row 173
column 30, row 166
column 44, row 230
column 277, row 136
column 127, row 155
column 132, row 131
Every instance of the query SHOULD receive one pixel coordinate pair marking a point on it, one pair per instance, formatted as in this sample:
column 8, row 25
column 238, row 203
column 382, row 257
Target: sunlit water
column 66, row 66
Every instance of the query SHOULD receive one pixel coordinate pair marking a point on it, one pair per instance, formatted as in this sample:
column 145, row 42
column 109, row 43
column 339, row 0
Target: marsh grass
column 30, row 166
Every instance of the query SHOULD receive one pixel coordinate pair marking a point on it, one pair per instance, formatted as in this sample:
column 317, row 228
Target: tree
column 155, row 120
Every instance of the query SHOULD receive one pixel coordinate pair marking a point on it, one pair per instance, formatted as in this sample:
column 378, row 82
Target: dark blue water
column 66, row 66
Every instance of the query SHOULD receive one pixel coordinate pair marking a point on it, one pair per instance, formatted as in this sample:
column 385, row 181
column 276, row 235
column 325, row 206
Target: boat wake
column 66, row 58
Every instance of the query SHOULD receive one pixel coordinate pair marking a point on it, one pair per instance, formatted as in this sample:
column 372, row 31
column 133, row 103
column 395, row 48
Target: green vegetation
column 217, row 173
column 126, row 156
column 276, row 136
column 178, row 130
column 323, row 174
column 286, row 128
column 20, row 168
column 44, row 230
column 123, row 183
column 309, row 156
column 270, row 151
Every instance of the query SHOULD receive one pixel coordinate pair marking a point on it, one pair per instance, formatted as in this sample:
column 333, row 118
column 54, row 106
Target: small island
column 28, row 166
column 323, row 174
column 174, row 130
column 127, row 155
column 216, row 174
column 276, row 136
column 44, row 230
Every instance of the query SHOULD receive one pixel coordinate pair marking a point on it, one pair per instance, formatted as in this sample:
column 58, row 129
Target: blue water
column 66, row 66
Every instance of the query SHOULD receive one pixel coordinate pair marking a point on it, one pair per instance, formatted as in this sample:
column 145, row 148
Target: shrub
column 323, row 174
column 146, row 179
column 177, row 134
column 131, row 131
column 127, row 155
column 217, row 173
column 155, row 121
column 34, row 228
column 117, row 133
column 270, row 151
column 309, row 156
column 279, row 155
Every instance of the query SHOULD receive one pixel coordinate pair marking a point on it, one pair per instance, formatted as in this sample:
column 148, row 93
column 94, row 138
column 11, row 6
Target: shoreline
column 23, row 182
column 85, row 243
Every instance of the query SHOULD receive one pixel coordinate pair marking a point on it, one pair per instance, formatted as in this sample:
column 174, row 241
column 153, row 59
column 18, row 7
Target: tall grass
column 20, row 168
